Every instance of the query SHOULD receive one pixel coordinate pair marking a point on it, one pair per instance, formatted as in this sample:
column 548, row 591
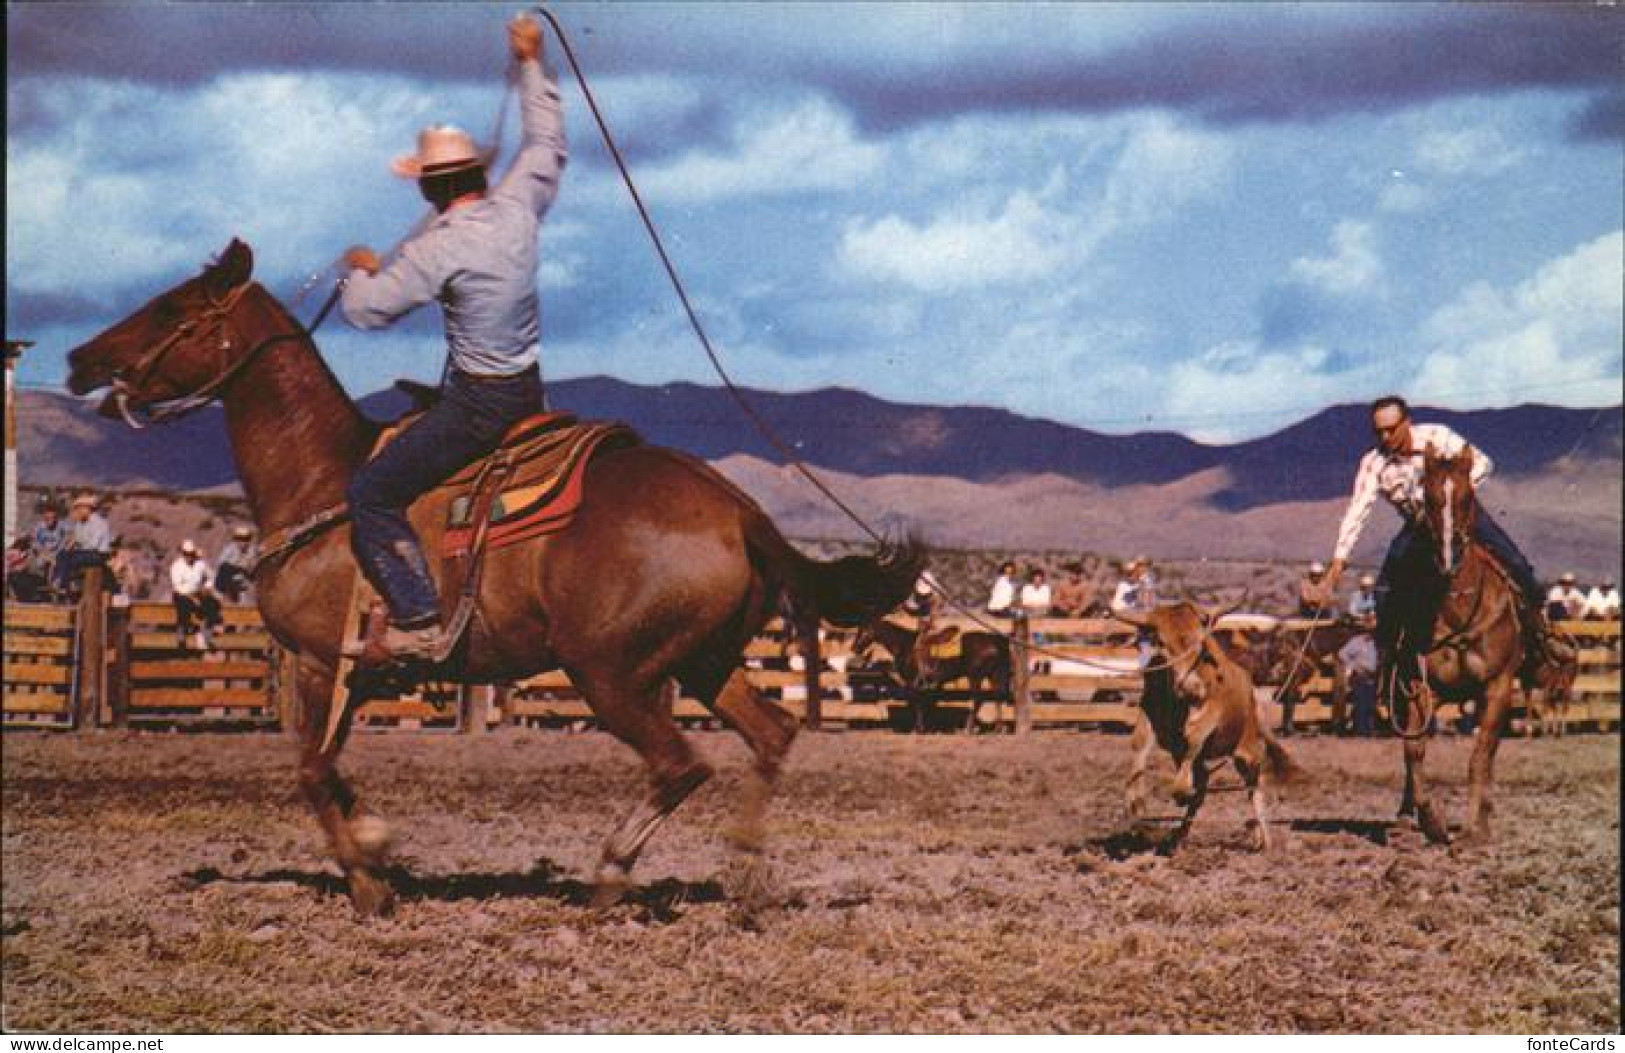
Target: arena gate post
column 116, row 700
column 92, row 648
column 1020, row 672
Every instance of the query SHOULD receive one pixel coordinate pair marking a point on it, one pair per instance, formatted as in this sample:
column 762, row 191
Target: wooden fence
column 97, row 663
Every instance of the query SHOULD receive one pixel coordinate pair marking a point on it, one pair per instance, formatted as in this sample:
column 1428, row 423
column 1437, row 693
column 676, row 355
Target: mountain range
column 975, row 476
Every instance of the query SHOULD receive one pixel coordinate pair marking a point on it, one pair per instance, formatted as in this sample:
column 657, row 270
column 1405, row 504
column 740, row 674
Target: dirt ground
column 175, row 882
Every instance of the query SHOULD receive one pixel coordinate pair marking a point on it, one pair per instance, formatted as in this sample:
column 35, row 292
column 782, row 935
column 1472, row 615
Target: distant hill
column 977, row 476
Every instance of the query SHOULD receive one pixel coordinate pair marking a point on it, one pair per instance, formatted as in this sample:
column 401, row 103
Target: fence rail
column 97, row 663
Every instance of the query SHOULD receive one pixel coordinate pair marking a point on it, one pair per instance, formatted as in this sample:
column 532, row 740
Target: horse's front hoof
column 1433, row 827
column 371, row 897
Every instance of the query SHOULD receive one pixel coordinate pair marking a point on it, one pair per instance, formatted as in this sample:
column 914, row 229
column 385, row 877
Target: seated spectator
column 125, row 576
column 1138, row 589
column 1565, row 601
column 1363, row 604
column 1035, row 595
column 1310, row 604
column 1072, row 596
column 231, row 578
column 1003, row 595
column 46, row 541
column 23, row 583
column 1602, row 602
column 1357, row 662
column 89, row 543
column 194, row 596
column 1137, row 592
column 922, row 602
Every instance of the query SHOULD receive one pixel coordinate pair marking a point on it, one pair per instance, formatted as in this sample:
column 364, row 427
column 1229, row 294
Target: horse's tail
column 848, row 592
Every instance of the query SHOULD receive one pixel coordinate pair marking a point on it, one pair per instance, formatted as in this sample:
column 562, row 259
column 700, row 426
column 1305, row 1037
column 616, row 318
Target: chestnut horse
column 1474, row 648
column 666, row 572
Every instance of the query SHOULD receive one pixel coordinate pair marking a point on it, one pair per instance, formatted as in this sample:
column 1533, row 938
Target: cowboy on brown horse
column 479, row 259
column 1394, row 469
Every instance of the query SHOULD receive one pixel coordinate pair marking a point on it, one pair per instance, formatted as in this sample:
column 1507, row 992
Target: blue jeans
column 466, row 424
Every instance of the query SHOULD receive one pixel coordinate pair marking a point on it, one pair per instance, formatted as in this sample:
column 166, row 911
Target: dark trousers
column 72, row 563
column 231, row 581
column 189, row 609
column 1363, row 701
column 467, row 423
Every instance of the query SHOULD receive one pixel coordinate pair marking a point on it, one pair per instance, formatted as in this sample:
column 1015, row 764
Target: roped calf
column 1198, row 706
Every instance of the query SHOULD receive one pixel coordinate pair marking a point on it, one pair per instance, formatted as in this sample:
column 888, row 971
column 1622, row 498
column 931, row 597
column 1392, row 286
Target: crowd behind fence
column 100, row 664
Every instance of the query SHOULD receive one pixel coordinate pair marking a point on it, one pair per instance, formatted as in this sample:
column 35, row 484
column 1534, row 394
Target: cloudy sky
column 1208, row 218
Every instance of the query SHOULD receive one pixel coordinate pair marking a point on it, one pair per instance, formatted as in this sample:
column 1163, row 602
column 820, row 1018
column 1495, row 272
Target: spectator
column 922, row 602
column 1138, row 589
column 1602, row 602
column 194, row 596
column 1363, row 604
column 1003, row 596
column 125, row 575
column 1072, row 596
column 23, row 583
column 1565, row 601
column 1137, row 592
column 89, row 543
column 1310, row 590
column 231, row 578
column 1357, row 662
column 1036, row 595
column 46, row 541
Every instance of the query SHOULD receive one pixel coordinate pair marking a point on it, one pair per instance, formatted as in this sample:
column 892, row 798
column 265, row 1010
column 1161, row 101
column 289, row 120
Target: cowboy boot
column 396, row 644
column 1547, row 655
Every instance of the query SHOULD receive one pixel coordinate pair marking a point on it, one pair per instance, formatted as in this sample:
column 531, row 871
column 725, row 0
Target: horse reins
column 216, row 318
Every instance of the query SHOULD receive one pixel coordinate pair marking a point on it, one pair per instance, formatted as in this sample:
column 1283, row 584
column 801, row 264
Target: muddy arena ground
column 176, row 883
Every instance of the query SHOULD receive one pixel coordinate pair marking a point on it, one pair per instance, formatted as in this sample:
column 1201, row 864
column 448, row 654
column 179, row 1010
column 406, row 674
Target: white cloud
column 1352, row 267
column 1465, row 151
column 1022, row 242
column 1235, row 386
column 1047, row 229
column 1555, row 337
column 812, row 146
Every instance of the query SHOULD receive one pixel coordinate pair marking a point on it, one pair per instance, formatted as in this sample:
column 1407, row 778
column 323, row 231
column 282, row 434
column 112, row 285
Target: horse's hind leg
column 768, row 731
column 358, row 839
column 640, row 716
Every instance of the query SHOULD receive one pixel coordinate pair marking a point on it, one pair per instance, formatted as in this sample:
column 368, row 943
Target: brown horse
column 1472, row 652
column 983, row 661
column 666, row 573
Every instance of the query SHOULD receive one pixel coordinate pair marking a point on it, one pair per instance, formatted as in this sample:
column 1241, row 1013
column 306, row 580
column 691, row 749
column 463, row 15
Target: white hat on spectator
column 1317, row 567
column 242, row 533
column 1367, row 581
column 188, row 548
column 85, row 501
column 1567, row 578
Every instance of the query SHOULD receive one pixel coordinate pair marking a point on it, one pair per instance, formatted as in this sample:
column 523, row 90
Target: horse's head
column 1448, row 508
column 171, row 348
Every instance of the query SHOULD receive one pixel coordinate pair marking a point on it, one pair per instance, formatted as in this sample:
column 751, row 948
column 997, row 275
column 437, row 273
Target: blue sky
column 1210, row 218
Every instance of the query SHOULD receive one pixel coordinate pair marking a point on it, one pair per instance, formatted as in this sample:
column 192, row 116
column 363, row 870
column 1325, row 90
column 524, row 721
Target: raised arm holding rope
column 1393, row 469
column 479, row 260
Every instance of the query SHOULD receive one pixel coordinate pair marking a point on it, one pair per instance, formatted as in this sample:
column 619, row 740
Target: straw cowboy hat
column 242, row 533
column 1367, row 581
column 85, row 501
column 1317, row 568
column 442, row 150
column 188, row 548
column 1567, row 578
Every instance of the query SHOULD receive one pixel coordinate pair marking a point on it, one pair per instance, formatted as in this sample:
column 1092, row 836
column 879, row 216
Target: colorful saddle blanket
column 532, row 485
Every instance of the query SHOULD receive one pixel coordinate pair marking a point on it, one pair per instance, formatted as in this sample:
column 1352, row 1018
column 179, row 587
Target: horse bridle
column 215, row 318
